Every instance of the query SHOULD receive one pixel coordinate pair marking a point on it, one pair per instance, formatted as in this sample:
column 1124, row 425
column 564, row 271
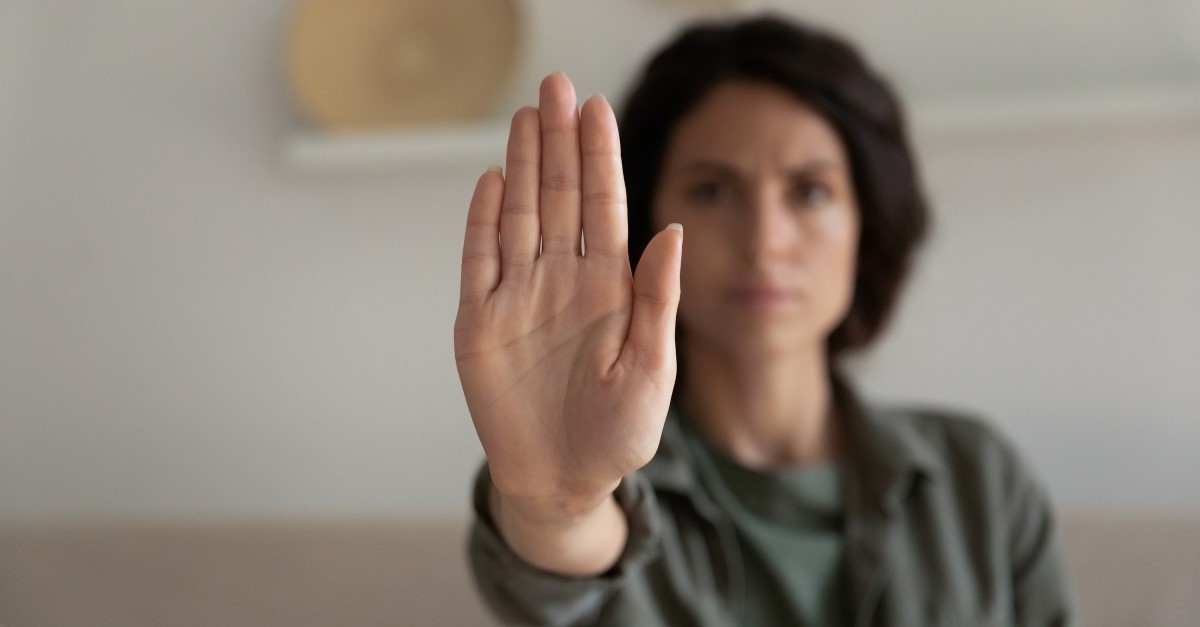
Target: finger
column 519, row 229
column 560, row 166
column 481, row 246
column 605, row 220
column 650, row 344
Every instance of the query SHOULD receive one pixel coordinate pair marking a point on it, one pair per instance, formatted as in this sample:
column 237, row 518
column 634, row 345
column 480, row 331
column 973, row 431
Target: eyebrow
column 807, row 168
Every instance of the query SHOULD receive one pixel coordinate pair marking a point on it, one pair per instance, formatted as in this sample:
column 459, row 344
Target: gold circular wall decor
column 369, row 64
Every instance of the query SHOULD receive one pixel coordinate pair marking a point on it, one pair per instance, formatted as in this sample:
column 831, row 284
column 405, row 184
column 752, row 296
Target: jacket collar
column 887, row 453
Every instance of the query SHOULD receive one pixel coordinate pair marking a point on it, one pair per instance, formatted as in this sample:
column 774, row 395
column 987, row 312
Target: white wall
column 189, row 328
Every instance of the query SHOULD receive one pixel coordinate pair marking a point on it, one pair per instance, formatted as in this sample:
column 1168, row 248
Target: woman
column 755, row 488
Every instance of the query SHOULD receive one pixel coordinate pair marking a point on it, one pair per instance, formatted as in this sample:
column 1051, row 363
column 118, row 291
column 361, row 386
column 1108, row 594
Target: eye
column 711, row 192
column 810, row 194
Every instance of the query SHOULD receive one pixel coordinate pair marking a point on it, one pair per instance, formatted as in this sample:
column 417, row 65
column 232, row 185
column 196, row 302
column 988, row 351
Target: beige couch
column 1130, row 571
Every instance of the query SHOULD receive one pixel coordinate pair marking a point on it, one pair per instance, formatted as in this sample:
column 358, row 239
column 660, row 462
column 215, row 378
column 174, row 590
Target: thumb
column 650, row 344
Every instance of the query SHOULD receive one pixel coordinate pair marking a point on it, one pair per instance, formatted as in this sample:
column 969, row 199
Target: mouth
column 761, row 297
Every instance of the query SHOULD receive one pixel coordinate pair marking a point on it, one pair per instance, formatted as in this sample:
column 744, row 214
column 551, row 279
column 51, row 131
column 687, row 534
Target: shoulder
column 953, row 435
column 968, row 447
column 979, row 492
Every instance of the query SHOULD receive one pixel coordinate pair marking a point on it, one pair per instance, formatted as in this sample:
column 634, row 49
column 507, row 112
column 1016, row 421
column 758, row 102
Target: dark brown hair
column 830, row 76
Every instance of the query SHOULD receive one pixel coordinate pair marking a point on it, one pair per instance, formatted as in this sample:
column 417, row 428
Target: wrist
column 551, row 512
column 583, row 544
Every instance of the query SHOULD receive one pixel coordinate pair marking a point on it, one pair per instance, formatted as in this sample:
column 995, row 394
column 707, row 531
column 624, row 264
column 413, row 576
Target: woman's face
column 762, row 186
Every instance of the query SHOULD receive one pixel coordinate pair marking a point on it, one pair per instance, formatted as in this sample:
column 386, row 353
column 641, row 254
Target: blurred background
column 214, row 308
column 209, row 308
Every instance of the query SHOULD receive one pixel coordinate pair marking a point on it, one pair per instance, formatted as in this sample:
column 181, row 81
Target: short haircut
column 830, row 76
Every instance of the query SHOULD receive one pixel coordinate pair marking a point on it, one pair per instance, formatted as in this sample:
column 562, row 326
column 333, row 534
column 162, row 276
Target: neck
column 765, row 411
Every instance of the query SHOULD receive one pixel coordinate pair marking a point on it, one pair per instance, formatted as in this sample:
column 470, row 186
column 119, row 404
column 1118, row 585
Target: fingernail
column 495, row 168
column 675, row 226
column 600, row 96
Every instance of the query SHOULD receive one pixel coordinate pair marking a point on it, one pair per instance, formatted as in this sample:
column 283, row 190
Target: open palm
column 566, row 359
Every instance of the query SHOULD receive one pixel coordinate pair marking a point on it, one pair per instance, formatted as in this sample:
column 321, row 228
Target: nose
column 768, row 228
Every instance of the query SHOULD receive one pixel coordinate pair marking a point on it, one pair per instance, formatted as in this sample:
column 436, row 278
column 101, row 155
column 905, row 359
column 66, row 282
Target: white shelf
column 1077, row 110
column 444, row 147
column 478, row 146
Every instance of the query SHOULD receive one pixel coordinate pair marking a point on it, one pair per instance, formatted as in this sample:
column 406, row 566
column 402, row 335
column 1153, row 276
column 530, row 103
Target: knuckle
column 648, row 358
column 653, row 299
column 598, row 148
column 520, row 207
column 519, row 161
column 477, row 258
column 519, row 260
column 556, row 244
column 560, row 182
column 604, row 197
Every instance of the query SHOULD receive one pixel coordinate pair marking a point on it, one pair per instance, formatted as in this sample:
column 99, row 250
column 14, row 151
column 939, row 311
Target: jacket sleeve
column 522, row 594
column 1042, row 593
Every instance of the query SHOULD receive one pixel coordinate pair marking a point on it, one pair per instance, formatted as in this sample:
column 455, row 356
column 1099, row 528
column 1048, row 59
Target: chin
column 758, row 337
column 771, row 340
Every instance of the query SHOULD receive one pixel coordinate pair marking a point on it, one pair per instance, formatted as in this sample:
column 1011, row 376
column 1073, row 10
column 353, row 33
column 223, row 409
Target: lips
column 760, row 296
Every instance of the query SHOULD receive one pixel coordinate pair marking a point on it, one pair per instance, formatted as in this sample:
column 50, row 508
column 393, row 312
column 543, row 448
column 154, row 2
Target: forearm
column 581, row 545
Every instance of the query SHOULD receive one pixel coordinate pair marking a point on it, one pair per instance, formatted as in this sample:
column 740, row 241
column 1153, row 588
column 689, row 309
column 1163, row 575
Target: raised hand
column 566, row 359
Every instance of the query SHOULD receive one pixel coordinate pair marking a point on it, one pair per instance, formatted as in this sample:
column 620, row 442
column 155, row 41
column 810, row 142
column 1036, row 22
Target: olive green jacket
column 945, row 525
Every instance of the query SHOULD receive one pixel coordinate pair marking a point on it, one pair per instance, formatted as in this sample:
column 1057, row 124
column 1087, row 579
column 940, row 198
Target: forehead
column 754, row 126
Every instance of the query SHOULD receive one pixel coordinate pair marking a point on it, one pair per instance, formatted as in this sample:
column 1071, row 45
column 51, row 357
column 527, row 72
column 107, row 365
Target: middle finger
column 560, row 187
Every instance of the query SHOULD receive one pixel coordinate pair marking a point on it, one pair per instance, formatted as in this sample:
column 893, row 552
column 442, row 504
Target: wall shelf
column 1068, row 110
column 933, row 121
column 445, row 147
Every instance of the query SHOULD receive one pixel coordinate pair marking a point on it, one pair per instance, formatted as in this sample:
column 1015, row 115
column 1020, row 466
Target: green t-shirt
column 790, row 525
